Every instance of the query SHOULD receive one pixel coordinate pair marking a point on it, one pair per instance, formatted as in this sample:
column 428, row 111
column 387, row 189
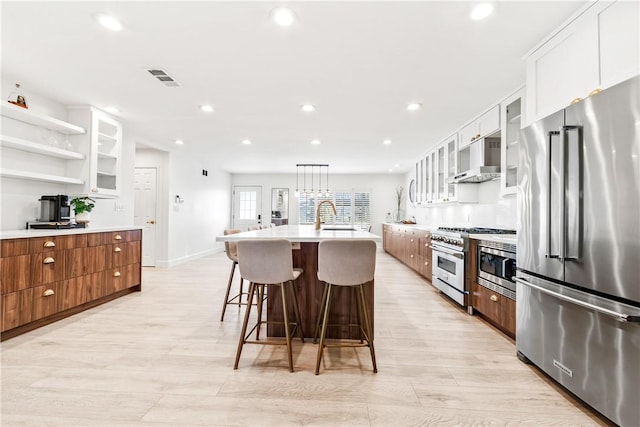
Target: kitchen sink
column 339, row 228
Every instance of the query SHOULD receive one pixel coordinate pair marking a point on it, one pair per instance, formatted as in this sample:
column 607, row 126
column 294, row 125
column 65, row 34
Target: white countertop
column 423, row 227
column 20, row 234
column 299, row 233
column 500, row 238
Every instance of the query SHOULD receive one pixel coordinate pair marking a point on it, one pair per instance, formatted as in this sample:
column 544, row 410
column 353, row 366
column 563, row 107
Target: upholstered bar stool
column 269, row 262
column 231, row 248
column 347, row 263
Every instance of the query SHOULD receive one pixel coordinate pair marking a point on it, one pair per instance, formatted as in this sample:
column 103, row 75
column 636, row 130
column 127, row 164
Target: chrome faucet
column 318, row 211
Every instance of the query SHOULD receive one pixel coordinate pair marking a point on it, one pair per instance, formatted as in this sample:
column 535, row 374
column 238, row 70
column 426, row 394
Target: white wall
column 490, row 211
column 20, row 197
column 194, row 224
column 382, row 187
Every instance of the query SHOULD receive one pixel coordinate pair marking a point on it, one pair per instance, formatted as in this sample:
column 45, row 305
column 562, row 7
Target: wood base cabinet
column 410, row 245
column 44, row 279
column 497, row 309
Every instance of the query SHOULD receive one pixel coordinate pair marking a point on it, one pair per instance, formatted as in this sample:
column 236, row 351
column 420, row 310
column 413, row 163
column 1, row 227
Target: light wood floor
column 162, row 357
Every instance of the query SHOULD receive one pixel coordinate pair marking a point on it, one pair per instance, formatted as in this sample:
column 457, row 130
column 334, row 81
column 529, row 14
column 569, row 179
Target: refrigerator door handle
column 572, row 194
column 550, row 135
column 622, row 317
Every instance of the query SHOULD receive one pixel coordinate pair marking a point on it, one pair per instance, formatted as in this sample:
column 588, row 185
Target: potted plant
column 81, row 207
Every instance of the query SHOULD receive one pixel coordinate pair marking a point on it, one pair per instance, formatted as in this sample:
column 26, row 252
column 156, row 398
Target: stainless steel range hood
column 478, row 161
column 477, row 175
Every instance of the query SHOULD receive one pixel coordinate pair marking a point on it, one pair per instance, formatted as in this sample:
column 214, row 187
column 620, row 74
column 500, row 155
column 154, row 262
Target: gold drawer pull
column 49, row 244
column 595, row 91
column 116, row 274
column 117, row 249
column 576, row 100
column 411, row 255
column 117, row 237
column 48, row 260
column 493, row 298
column 411, row 240
column 426, row 263
column 48, row 293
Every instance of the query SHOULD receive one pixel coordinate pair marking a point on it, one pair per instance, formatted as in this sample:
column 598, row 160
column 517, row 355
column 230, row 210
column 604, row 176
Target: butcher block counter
column 305, row 239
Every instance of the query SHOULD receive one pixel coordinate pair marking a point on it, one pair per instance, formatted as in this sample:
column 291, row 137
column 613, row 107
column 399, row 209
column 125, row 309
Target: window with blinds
column 352, row 208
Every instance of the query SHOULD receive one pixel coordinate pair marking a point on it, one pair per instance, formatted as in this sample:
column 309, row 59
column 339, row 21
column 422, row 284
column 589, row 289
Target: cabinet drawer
column 15, row 273
column 124, row 277
column 56, row 243
column 48, row 267
column 499, row 309
column 96, row 239
column 125, row 253
column 17, row 309
column 46, row 300
column 14, row 247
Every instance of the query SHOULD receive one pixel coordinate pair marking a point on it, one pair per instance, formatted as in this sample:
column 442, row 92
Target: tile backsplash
column 491, row 211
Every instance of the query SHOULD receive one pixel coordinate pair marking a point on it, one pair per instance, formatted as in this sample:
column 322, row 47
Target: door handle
column 572, row 199
column 622, row 317
column 550, row 135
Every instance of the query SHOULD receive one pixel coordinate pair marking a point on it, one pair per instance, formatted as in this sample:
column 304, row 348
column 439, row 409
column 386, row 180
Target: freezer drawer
column 591, row 351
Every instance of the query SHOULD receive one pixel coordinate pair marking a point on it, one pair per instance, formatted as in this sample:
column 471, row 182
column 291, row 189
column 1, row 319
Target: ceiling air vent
column 161, row 75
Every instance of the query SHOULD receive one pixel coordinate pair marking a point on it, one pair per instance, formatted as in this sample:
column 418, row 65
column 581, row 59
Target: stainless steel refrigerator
column 578, row 284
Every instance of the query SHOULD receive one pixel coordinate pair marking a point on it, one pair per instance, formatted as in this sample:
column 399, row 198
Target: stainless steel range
column 451, row 261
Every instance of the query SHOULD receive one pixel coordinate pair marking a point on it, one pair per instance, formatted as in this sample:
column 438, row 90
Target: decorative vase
column 83, row 217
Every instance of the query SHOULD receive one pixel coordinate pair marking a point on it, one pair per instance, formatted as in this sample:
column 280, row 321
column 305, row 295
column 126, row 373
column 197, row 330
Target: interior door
column 144, row 212
column 247, row 206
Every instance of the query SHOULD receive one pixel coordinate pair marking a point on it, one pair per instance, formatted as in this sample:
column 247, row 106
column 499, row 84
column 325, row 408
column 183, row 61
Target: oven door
column 448, row 273
column 497, row 266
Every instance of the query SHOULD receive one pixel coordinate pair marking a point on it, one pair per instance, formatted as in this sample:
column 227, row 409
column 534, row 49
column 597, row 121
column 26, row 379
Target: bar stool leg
column 244, row 326
column 320, row 311
column 226, row 296
column 358, row 314
column 325, row 321
column 296, row 310
column 283, row 292
column 259, row 304
column 240, row 294
column 368, row 331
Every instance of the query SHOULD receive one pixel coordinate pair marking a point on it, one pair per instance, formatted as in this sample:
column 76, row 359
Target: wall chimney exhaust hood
column 479, row 161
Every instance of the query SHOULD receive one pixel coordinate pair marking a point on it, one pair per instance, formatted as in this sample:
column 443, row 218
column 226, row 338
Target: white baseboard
column 177, row 261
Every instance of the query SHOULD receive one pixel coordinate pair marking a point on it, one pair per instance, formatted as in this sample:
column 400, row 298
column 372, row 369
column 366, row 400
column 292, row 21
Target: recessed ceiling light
column 111, row 109
column 179, row 142
column 387, row 142
column 481, row 11
column 308, row 108
column 315, row 142
column 390, row 170
column 414, row 106
column 246, row 142
column 283, row 16
column 396, row 165
column 109, row 22
column 206, row 108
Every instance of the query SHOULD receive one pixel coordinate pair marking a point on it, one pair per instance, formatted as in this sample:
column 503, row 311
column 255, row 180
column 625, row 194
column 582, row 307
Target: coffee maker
column 55, row 208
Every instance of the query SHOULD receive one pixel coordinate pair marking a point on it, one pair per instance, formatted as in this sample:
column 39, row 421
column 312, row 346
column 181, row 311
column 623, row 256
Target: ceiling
column 360, row 63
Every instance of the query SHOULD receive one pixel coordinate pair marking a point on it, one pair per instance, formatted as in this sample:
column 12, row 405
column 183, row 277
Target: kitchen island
column 305, row 241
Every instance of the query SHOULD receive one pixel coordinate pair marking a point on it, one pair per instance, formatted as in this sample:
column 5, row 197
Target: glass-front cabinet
column 446, row 168
column 102, row 146
column 512, row 120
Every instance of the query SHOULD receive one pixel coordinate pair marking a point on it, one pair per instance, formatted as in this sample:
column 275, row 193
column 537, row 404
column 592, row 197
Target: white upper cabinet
column 619, row 26
column 103, row 148
column 486, row 124
column 512, row 119
column 596, row 50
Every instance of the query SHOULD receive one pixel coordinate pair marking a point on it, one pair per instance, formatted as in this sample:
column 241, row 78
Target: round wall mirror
column 412, row 191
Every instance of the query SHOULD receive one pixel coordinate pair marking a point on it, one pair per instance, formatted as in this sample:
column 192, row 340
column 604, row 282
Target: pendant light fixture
column 322, row 169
